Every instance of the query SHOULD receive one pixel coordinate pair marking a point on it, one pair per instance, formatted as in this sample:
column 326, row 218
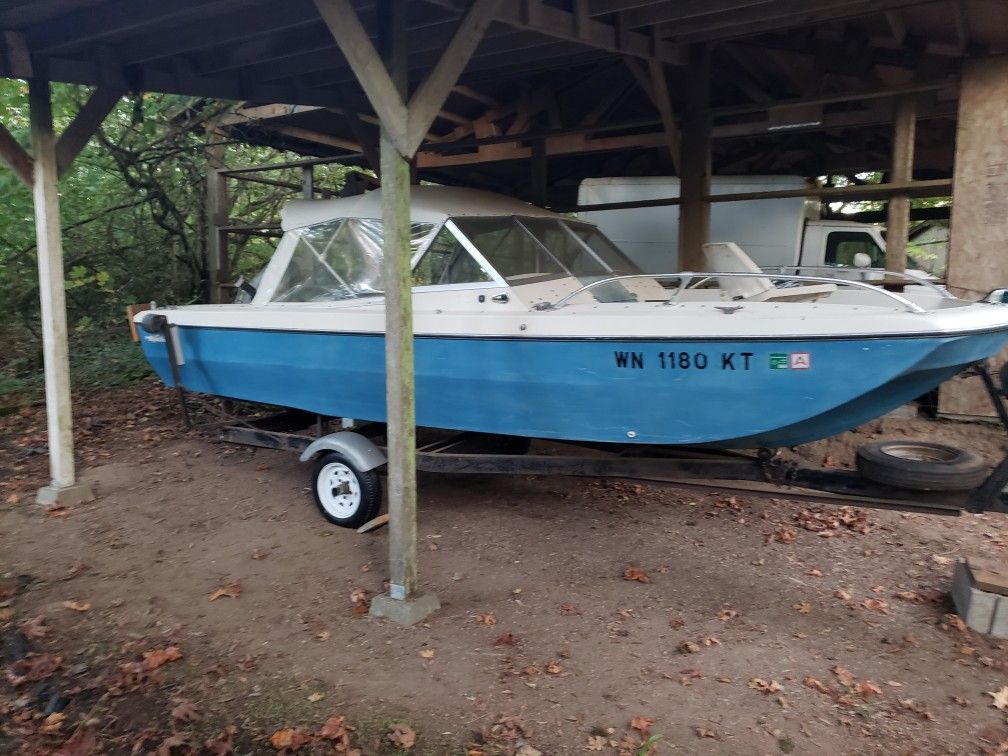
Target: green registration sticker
column 779, row 361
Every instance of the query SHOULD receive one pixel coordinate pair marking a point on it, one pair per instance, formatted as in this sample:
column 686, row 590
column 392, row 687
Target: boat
column 530, row 323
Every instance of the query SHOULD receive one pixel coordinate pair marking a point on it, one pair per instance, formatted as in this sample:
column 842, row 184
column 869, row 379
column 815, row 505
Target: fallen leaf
column 315, row 697
column 910, row 596
column 33, row 628
column 642, row 725
column 531, row 670
column 160, row 656
column 962, row 701
column 401, row 736
column 289, row 739
column 813, row 572
column 944, row 561
column 727, row 614
column 635, row 573
column 259, row 554
column 77, row 606
column 334, row 728
column 507, row 639
column 894, row 684
column 184, row 711
column 223, row 744
column 427, row 653
column 842, row 595
column 6, row 613
column 676, row 622
column 814, row 684
column 569, row 609
column 596, row 743
column 231, row 590
column 178, row 740
column 1000, row 697
column 702, row 732
column 77, row 568
column 876, row 605
column 486, row 619
column 83, row 742
column 33, row 668
column 688, row 647
column 916, row 707
column 803, row 607
column 359, row 599
column 867, row 688
column 953, row 622
column 52, row 723
column 554, row 668
column 843, row 675
column 765, row 686
column 784, row 535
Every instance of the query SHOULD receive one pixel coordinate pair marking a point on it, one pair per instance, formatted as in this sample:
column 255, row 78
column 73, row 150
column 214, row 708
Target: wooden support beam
column 218, row 212
column 562, row 24
column 660, row 95
column 15, row 157
column 52, row 296
column 308, row 182
column 898, row 226
column 84, row 125
column 353, row 40
column 429, row 96
column 310, row 135
column 695, row 166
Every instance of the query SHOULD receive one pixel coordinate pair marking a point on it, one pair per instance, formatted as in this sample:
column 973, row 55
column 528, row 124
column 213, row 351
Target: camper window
column 841, row 246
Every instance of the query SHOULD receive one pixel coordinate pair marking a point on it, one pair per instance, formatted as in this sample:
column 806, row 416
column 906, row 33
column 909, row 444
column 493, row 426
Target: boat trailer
column 763, row 473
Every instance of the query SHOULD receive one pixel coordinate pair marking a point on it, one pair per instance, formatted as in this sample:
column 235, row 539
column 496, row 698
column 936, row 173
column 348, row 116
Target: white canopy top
column 428, row 204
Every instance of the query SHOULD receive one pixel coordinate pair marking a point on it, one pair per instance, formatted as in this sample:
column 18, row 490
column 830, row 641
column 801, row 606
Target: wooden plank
column 369, row 69
column 429, row 96
column 84, row 125
column 379, row 521
column 15, row 157
column 131, row 311
column 52, row 296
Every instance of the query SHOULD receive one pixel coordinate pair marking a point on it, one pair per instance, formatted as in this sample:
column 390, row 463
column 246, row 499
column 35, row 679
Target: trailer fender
column 355, row 447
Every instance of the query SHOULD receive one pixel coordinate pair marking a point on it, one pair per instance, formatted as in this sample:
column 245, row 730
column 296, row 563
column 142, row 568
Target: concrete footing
column 65, row 496
column 405, row 611
column 979, row 599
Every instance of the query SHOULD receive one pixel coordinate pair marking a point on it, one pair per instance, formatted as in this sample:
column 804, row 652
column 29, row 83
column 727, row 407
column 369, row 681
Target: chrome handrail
column 883, row 274
column 686, row 277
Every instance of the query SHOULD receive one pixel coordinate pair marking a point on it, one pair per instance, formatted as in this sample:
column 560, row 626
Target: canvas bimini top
column 428, row 204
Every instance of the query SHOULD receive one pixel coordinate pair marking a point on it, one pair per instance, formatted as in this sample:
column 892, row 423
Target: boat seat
column 728, row 257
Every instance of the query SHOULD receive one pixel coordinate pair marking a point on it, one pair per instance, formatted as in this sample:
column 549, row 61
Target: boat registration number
column 716, row 361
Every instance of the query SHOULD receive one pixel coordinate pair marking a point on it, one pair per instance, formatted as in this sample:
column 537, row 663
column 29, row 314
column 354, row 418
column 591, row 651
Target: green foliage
column 133, row 211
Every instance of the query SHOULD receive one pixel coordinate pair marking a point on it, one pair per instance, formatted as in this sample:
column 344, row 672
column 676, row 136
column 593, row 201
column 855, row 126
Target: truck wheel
column 345, row 495
column 921, row 465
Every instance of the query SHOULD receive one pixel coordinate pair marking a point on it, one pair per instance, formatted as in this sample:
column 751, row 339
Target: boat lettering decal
column 790, row 361
column 687, row 360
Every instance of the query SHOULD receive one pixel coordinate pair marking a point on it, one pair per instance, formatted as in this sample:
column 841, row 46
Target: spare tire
column 921, row 465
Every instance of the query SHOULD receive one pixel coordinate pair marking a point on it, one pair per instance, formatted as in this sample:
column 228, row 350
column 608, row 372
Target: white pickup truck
column 775, row 233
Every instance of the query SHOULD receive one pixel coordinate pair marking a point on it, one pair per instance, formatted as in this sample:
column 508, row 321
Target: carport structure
column 479, row 92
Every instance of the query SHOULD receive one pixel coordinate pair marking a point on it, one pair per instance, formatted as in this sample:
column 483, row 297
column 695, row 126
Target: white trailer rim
column 339, row 491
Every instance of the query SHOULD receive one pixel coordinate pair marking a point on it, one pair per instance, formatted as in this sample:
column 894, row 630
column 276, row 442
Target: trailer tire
column 921, row 465
column 345, row 495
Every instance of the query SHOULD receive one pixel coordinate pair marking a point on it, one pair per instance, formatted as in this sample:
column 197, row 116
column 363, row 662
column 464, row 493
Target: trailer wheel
column 921, row 465
column 345, row 495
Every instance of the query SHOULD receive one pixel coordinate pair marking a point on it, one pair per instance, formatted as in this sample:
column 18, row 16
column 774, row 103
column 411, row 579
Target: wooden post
column 540, row 176
column 402, row 129
column 308, row 182
column 978, row 250
column 64, row 487
column 218, row 210
column 898, row 227
column 694, row 162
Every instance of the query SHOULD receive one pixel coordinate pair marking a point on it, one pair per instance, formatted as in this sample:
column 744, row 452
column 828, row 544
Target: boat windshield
column 529, row 249
column 340, row 259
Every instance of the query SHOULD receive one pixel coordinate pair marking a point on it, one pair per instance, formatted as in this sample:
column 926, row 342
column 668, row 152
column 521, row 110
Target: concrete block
column 65, row 496
column 983, row 611
column 407, row 611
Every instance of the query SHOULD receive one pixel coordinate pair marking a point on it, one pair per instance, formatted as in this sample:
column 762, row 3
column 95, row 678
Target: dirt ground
column 577, row 616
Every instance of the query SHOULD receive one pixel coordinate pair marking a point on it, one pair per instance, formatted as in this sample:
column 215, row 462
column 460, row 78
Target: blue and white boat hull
column 734, row 393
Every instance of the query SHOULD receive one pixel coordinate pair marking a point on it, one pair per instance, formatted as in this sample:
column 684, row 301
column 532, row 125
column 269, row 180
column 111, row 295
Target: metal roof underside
column 572, row 75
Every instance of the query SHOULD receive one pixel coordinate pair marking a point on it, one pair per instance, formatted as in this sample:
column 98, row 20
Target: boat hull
column 731, row 393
